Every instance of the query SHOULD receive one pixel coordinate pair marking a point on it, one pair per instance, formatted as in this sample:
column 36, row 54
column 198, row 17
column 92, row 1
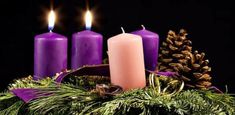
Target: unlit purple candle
column 150, row 47
column 50, row 53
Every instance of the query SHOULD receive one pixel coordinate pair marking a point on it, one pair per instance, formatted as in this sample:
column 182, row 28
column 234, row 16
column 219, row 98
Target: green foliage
column 135, row 102
column 164, row 97
column 190, row 102
column 28, row 82
column 87, row 82
column 223, row 102
column 65, row 100
column 9, row 104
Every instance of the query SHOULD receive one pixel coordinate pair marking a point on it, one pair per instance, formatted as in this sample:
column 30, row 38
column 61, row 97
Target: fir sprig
column 28, row 82
column 187, row 102
column 74, row 99
column 221, row 101
column 64, row 100
column 9, row 104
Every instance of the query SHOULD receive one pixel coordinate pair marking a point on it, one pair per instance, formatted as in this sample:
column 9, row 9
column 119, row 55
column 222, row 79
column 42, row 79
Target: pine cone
column 176, row 56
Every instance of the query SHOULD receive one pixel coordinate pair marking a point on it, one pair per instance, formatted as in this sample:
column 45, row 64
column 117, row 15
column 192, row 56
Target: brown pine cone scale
column 176, row 55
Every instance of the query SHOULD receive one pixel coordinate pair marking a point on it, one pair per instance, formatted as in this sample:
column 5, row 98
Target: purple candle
column 50, row 52
column 87, row 46
column 150, row 45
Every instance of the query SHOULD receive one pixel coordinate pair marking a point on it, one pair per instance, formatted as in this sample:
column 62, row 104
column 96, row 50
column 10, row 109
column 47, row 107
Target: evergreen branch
column 5, row 96
column 140, row 102
column 223, row 101
column 28, row 82
column 74, row 99
column 65, row 100
column 13, row 109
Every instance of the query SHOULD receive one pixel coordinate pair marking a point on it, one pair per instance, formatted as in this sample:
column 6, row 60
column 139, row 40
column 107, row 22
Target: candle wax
column 87, row 48
column 151, row 46
column 126, row 61
column 50, row 54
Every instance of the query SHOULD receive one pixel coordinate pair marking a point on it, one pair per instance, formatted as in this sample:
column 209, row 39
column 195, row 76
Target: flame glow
column 51, row 20
column 88, row 20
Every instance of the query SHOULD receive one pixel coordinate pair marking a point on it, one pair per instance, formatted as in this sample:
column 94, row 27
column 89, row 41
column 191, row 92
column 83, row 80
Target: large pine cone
column 176, row 56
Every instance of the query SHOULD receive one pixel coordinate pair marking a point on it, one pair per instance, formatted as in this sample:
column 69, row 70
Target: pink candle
column 126, row 61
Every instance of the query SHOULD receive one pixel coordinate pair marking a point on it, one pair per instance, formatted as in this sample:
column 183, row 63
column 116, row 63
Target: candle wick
column 123, row 31
column 88, row 28
column 143, row 27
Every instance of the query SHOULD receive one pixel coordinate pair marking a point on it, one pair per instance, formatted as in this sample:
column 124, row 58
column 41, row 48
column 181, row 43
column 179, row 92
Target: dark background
column 209, row 24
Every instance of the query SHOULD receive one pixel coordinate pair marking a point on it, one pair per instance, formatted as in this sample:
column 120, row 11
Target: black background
column 209, row 24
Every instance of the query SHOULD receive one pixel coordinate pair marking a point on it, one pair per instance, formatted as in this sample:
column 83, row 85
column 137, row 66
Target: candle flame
column 88, row 20
column 51, row 20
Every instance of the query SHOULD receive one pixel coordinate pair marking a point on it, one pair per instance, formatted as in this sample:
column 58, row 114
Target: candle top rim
column 87, row 33
column 126, row 37
column 50, row 35
column 144, row 32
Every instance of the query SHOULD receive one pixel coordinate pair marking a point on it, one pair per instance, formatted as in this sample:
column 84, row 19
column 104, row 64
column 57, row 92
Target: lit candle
column 50, row 52
column 126, row 61
column 87, row 46
column 150, row 45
